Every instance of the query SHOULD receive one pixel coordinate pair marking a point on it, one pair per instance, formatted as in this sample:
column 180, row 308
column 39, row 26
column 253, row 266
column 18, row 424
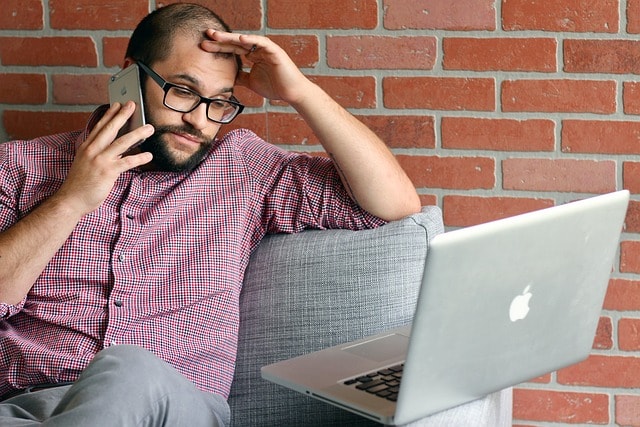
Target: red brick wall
column 493, row 107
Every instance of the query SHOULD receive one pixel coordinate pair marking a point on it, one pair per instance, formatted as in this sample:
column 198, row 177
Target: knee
column 129, row 354
column 129, row 376
column 130, row 361
column 126, row 355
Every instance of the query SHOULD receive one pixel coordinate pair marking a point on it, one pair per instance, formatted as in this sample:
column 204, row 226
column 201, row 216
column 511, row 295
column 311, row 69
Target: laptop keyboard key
column 370, row 384
column 384, row 383
column 377, row 389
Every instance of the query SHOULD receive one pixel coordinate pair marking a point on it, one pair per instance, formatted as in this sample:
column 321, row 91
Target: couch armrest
column 307, row 291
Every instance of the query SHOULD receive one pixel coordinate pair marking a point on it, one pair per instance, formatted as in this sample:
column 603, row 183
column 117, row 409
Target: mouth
column 186, row 139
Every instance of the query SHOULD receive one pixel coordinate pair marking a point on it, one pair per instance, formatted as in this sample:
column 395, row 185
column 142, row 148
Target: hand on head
column 273, row 74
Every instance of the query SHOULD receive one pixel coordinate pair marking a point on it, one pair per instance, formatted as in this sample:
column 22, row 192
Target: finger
column 219, row 47
column 250, row 43
column 221, row 36
column 241, row 44
column 106, row 117
column 134, row 160
column 131, row 139
column 107, row 128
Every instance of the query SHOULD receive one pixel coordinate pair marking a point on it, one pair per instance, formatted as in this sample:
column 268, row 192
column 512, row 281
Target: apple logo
column 520, row 305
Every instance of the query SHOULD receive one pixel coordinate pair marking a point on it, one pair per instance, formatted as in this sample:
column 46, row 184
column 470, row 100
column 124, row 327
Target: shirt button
column 117, row 303
column 121, row 257
column 130, row 216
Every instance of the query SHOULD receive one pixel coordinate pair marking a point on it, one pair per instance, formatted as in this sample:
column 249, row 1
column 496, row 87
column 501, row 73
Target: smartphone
column 125, row 86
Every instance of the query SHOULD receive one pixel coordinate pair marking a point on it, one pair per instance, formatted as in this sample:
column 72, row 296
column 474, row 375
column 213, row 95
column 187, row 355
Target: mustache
column 182, row 130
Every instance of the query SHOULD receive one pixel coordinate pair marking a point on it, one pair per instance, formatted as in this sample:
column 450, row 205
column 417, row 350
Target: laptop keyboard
column 384, row 383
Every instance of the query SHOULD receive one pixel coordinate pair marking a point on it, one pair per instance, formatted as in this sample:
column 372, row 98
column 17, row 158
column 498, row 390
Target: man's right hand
column 101, row 159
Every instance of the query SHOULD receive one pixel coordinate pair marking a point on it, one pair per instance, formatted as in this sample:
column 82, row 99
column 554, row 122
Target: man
column 121, row 266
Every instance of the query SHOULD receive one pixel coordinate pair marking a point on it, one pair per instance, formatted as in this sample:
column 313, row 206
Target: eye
column 182, row 92
column 220, row 103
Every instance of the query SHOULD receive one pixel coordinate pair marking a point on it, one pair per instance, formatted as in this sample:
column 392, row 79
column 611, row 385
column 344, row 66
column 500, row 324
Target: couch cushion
column 315, row 289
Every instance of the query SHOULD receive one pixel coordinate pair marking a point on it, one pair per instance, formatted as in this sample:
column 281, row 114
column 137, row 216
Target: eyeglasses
column 184, row 100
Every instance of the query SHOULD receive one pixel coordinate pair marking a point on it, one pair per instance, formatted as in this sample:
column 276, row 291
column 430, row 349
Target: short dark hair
column 152, row 39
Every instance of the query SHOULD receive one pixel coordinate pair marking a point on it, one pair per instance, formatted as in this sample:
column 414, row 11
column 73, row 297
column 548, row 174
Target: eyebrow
column 197, row 83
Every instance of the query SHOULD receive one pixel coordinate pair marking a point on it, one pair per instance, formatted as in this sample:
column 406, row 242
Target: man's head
column 152, row 40
column 168, row 40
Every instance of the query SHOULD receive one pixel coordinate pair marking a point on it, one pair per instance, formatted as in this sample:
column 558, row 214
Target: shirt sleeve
column 8, row 310
column 8, row 215
column 301, row 191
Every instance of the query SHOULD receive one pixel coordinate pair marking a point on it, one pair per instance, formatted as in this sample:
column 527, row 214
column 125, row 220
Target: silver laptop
column 500, row 303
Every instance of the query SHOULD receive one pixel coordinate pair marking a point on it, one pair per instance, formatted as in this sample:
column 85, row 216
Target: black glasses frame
column 166, row 86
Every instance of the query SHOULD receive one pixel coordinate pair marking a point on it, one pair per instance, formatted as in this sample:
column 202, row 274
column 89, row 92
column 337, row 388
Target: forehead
column 186, row 58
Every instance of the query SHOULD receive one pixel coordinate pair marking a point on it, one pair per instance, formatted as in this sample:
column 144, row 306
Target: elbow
column 414, row 206
column 400, row 208
column 8, row 296
column 402, row 213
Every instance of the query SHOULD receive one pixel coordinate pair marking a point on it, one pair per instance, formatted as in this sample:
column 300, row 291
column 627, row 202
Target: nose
column 198, row 117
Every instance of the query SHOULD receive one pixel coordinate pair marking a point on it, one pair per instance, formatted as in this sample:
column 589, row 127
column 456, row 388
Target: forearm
column 28, row 246
column 367, row 167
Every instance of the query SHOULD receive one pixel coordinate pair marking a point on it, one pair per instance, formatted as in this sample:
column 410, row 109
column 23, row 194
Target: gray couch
column 315, row 289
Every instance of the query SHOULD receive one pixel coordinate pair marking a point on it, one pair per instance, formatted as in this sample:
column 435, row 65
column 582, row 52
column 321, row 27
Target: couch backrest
column 307, row 291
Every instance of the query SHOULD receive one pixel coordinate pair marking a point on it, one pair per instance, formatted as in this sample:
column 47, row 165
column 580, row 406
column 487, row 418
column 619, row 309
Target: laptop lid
column 500, row 303
column 510, row 300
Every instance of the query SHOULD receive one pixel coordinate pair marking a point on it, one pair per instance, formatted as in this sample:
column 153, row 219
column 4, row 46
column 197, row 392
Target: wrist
column 63, row 205
column 308, row 95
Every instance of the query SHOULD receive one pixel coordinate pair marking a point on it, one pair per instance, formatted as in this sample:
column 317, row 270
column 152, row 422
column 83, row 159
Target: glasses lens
column 221, row 110
column 184, row 100
column 181, row 99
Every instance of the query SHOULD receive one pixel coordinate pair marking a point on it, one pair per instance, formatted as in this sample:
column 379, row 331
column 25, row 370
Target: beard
column 167, row 161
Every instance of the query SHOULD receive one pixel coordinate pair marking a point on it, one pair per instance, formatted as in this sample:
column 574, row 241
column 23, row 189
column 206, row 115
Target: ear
column 127, row 61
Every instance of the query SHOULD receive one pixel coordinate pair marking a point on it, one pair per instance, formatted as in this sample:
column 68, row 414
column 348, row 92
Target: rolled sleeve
column 297, row 191
column 8, row 310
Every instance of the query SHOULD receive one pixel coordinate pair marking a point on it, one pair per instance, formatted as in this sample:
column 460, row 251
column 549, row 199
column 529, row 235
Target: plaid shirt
column 160, row 264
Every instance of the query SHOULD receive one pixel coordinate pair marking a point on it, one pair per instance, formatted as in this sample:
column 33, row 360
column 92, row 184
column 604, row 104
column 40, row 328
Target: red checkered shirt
column 160, row 264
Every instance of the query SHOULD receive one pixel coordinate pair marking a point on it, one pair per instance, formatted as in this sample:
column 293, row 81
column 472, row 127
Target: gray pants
column 123, row 386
